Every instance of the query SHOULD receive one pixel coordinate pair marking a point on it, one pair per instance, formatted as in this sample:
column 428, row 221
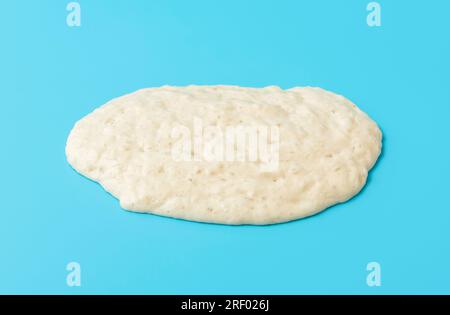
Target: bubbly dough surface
column 326, row 148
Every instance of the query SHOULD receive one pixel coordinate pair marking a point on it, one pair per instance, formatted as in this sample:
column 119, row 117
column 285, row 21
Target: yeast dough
column 324, row 148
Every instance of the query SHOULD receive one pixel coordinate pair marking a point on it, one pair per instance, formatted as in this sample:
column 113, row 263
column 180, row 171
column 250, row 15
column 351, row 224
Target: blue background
column 51, row 75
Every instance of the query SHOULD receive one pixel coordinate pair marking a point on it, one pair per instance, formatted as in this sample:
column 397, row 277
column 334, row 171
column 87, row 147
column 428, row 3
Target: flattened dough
column 326, row 148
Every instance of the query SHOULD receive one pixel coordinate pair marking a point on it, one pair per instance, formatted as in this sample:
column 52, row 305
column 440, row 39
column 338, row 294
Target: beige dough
column 319, row 148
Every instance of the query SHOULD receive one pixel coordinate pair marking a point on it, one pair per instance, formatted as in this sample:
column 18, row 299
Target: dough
column 227, row 154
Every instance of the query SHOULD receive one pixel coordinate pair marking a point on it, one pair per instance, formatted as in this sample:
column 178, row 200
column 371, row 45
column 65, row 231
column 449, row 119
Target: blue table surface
column 52, row 74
